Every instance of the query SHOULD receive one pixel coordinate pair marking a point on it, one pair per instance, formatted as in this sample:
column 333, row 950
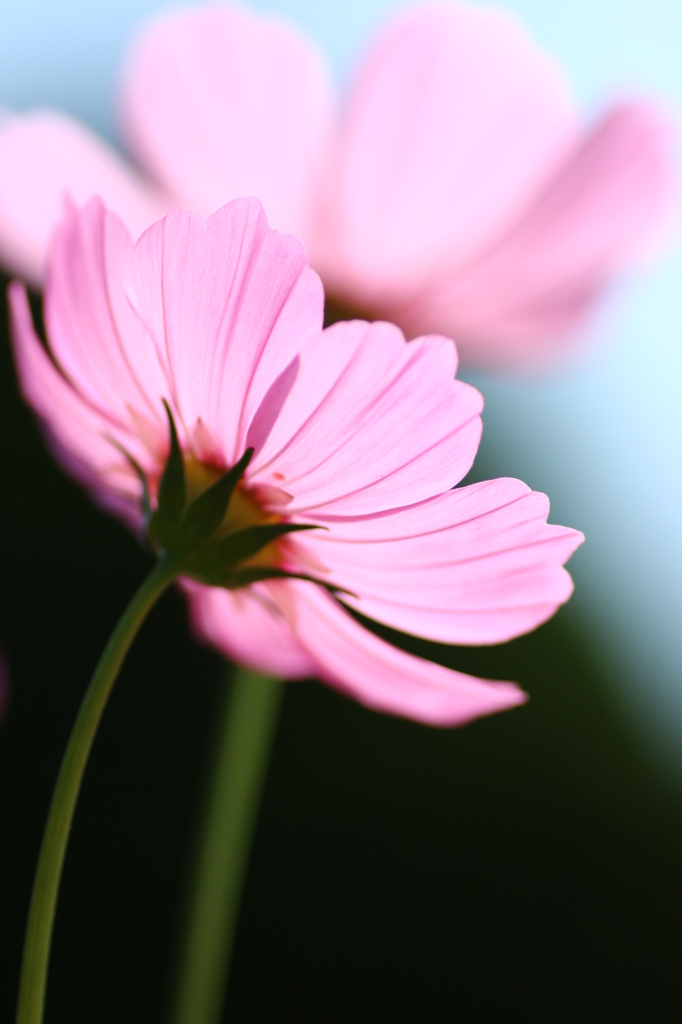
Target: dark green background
column 527, row 867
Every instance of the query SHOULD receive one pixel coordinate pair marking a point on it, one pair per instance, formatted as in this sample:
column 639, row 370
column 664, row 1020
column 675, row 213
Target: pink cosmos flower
column 353, row 429
column 456, row 193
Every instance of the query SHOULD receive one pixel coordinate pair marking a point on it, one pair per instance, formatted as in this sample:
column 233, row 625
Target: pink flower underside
column 223, row 318
column 295, row 630
column 457, row 195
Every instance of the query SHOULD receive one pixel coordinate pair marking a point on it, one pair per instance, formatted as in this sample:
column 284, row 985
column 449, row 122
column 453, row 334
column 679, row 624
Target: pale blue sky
column 604, row 439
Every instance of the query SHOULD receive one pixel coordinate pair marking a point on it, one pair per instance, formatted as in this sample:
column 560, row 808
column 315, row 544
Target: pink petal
column 476, row 565
column 600, row 210
column 46, row 155
column 372, row 423
column 229, row 304
column 247, row 627
column 76, row 431
column 454, row 122
column 353, row 660
column 95, row 336
column 219, row 104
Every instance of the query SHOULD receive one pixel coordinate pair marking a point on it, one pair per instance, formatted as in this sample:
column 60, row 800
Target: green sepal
column 166, row 535
column 236, row 578
column 172, row 489
column 242, row 544
column 186, row 532
column 135, row 465
column 203, row 516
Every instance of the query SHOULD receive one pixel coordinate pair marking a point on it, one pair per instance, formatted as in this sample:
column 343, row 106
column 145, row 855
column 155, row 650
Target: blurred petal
column 453, row 123
column 601, row 210
column 357, row 662
column 229, row 304
column 219, row 104
column 45, row 156
column 477, row 565
column 246, row 626
column 373, row 422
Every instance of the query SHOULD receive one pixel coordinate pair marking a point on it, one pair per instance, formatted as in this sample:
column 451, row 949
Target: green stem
column 246, row 729
column 51, row 859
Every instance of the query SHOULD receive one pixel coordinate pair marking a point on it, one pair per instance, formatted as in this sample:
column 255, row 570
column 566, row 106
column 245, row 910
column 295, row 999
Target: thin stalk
column 51, row 859
column 246, row 730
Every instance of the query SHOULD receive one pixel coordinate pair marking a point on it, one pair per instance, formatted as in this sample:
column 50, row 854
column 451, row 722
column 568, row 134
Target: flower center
column 212, row 526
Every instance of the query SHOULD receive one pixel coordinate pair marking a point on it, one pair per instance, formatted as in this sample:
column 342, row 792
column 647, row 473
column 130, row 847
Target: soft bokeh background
column 527, row 867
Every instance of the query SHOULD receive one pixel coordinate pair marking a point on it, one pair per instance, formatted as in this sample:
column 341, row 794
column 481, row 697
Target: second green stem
column 246, row 728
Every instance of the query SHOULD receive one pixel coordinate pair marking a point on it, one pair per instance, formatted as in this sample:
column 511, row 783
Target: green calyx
column 207, row 540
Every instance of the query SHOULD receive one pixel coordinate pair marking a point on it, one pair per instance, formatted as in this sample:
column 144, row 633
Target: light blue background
column 604, row 438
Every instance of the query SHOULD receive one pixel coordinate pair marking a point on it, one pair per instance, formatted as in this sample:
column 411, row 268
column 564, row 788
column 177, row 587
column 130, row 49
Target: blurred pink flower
column 353, row 428
column 457, row 193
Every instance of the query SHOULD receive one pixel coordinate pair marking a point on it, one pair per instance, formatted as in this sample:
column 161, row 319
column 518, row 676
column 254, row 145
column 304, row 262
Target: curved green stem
column 246, row 729
column 51, row 859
